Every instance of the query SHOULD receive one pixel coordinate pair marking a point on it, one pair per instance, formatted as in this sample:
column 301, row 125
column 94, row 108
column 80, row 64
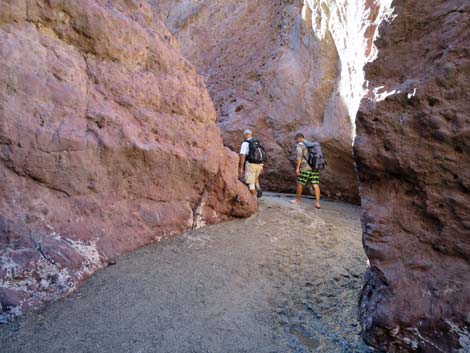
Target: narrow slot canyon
column 124, row 225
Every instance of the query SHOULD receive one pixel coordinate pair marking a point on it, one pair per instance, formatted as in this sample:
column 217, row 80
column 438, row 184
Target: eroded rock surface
column 281, row 67
column 413, row 158
column 108, row 142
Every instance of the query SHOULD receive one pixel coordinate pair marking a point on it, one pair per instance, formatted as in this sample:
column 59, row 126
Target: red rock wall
column 266, row 69
column 413, row 159
column 108, row 142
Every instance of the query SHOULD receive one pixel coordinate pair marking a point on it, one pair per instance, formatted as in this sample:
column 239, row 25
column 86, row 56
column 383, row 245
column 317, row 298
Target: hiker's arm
column 297, row 170
column 300, row 154
column 242, row 165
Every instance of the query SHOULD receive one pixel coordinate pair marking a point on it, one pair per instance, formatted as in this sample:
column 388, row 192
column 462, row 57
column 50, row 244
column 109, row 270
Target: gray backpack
column 315, row 158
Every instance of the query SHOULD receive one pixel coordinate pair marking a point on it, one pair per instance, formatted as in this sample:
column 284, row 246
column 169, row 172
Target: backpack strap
column 248, row 141
column 249, row 144
column 303, row 154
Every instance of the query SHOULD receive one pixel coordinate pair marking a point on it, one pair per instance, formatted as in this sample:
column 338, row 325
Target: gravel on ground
column 284, row 280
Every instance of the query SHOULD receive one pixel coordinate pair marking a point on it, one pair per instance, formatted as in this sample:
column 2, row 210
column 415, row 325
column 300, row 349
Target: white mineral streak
column 52, row 278
column 89, row 252
column 199, row 218
column 347, row 22
column 463, row 335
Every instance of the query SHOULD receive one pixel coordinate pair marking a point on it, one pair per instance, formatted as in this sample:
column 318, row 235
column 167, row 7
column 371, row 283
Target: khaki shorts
column 252, row 172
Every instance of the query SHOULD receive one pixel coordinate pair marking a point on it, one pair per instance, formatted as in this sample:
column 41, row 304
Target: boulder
column 412, row 153
column 108, row 142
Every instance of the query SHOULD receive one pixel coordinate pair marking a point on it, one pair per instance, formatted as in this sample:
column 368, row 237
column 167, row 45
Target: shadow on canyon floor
column 285, row 280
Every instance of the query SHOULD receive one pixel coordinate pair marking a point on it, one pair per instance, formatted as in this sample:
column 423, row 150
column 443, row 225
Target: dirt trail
column 284, row 280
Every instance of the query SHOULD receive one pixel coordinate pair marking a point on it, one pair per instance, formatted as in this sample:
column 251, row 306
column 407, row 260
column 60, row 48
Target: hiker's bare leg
column 252, row 188
column 300, row 189
column 257, row 184
column 316, row 187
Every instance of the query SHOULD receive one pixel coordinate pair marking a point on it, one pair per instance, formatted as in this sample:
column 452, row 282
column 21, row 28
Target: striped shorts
column 312, row 176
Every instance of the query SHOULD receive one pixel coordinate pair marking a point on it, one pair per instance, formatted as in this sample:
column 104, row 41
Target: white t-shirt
column 245, row 149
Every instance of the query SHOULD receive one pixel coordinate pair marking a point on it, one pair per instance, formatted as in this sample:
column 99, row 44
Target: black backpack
column 315, row 158
column 256, row 153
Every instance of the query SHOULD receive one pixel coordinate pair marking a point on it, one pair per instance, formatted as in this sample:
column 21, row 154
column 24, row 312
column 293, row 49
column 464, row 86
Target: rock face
column 108, row 142
column 413, row 158
column 281, row 67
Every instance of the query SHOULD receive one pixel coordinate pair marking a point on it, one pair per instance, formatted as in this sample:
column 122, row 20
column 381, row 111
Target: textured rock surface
column 107, row 142
column 413, row 158
column 281, row 67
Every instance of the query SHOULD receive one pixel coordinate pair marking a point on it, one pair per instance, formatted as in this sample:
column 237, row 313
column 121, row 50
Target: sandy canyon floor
column 284, row 280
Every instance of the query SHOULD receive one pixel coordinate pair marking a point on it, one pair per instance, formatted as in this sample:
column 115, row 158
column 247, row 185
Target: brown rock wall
column 266, row 69
column 107, row 142
column 412, row 155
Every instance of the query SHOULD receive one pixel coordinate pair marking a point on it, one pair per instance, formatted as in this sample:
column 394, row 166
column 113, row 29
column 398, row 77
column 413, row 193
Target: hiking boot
column 259, row 193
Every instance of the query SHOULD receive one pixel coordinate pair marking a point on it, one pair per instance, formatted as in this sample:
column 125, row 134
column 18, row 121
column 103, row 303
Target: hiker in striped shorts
column 304, row 172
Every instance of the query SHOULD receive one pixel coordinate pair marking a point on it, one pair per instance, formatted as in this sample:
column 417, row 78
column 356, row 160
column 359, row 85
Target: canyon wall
column 413, row 159
column 108, row 142
column 282, row 67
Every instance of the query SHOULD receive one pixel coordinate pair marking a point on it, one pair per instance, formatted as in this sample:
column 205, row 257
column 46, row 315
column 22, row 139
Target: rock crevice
column 281, row 68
